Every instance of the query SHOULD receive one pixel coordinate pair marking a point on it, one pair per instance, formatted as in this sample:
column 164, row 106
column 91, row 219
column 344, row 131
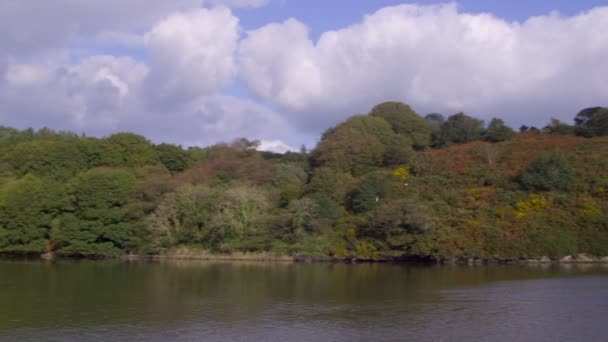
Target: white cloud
column 29, row 27
column 434, row 58
column 211, row 119
column 191, row 54
column 241, row 3
column 276, row 146
column 174, row 96
column 93, row 94
column 59, row 67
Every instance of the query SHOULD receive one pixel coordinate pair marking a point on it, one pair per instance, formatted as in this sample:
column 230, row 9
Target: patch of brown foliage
column 509, row 158
column 226, row 161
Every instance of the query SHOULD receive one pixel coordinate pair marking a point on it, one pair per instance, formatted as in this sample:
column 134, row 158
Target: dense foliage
column 388, row 184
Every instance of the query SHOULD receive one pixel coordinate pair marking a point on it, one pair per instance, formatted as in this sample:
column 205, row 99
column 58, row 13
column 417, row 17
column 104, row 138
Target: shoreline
column 581, row 258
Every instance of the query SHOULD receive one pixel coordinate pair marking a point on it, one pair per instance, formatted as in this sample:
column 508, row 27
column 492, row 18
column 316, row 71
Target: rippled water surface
column 202, row 301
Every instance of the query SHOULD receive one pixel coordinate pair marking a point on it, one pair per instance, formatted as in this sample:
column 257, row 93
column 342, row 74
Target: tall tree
column 96, row 220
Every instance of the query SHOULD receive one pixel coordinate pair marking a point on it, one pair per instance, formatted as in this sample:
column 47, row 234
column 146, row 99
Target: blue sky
column 282, row 71
column 324, row 15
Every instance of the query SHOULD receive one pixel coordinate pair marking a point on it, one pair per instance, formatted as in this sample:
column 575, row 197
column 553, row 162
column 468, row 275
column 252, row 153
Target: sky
column 195, row 72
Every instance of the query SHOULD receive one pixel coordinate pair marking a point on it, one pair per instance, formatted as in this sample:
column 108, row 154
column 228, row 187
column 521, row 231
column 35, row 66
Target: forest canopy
column 388, row 184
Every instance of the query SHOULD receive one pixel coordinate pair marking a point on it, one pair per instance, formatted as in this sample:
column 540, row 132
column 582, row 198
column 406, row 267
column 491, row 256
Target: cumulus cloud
column 173, row 96
column 191, row 54
column 66, row 72
column 434, row 58
column 29, row 27
column 91, row 95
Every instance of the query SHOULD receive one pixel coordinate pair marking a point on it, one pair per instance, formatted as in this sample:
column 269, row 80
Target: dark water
column 200, row 301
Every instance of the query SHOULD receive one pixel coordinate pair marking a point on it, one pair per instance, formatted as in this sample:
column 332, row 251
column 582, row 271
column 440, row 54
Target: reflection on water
column 189, row 300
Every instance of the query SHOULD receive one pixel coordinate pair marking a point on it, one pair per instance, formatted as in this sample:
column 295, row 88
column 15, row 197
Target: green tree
column 400, row 223
column 95, row 219
column 397, row 148
column 405, row 121
column 372, row 189
column 435, row 119
column 592, row 122
column 497, row 131
column 241, row 218
column 558, row 127
column 151, row 185
column 27, row 208
column 331, row 183
column 59, row 160
column 349, row 150
column 550, row 171
column 173, row 157
column 128, row 150
column 459, row 128
column 289, row 179
column 183, row 217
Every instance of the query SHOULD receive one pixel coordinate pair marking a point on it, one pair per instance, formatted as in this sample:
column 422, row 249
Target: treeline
column 388, row 184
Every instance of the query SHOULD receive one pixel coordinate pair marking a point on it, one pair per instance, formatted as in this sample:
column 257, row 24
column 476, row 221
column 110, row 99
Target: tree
column 405, row 121
column 95, row 219
column 349, row 150
column 592, row 122
column 400, row 223
column 549, row 171
column 435, row 119
column 497, row 131
column 128, row 149
column 27, row 209
column 372, row 189
column 333, row 184
column 289, row 179
column 183, row 217
column 397, row 148
column 151, row 185
column 173, row 157
column 241, row 212
column 59, row 160
column 558, row 127
column 459, row 128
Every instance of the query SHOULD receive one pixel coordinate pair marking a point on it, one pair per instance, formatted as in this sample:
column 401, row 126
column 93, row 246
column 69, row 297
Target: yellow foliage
column 473, row 223
column 500, row 212
column 340, row 252
column 350, row 233
column 535, row 203
column 588, row 208
column 601, row 192
column 402, row 172
column 366, row 250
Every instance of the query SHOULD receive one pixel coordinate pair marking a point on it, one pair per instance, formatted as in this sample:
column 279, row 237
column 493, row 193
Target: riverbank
column 192, row 254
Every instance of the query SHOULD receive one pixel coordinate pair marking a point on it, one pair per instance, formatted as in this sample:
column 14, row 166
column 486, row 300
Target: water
column 203, row 301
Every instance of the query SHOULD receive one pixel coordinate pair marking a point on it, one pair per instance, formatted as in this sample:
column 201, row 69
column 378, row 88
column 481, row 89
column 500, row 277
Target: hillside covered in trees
column 389, row 184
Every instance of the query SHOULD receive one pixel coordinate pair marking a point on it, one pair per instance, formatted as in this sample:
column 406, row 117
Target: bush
column 549, row 172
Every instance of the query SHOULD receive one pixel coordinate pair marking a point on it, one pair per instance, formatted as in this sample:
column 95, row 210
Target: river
column 208, row 301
